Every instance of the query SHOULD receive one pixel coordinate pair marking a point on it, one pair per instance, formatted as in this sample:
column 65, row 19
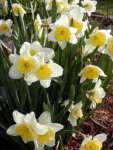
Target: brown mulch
column 100, row 122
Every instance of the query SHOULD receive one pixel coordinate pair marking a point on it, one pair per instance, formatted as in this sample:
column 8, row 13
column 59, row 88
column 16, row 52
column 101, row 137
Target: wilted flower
column 5, row 27
column 96, row 95
column 26, row 127
column 93, row 143
column 18, row 9
column 91, row 72
column 89, row 5
column 49, row 137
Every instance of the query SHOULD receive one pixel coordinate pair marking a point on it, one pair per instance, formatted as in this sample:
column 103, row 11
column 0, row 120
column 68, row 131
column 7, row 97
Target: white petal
column 100, row 137
column 51, row 144
column 49, row 53
column 82, row 79
column 73, row 39
column 18, row 117
column 79, row 104
column 45, row 83
column 14, row 58
column 37, row 46
column 30, row 78
column 56, row 126
column 24, row 50
column 62, row 44
column 56, row 70
column 14, row 73
column 11, row 130
column 51, row 36
column 72, row 121
column 45, row 118
column 9, row 21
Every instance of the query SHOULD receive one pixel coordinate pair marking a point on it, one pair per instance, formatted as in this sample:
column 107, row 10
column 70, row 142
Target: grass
column 104, row 7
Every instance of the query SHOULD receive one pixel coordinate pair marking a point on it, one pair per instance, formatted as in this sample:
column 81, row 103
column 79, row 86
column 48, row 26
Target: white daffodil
column 75, row 113
column 26, row 127
column 44, row 73
column 91, row 72
column 5, row 27
column 37, row 23
column 49, row 137
column 18, row 9
column 62, row 32
column 22, row 65
column 98, row 38
column 35, row 48
column 90, row 6
column 76, row 16
column 96, row 95
column 93, row 143
column 62, row 5
column 109, row 48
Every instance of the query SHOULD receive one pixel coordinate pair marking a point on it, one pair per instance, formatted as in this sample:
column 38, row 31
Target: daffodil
column 35, row 48
column 76, row 16
column 109, row 48
column 98, row 39
column 26, row 127
column 93, row 143
column 75, row 113
column 5, row 27
column 49, row 137
column 21, row 65
column 44, row 73
column 96, row 95
column 37, row 23
column 18, row 9
column 62, row 32
column 91, row 72
column 89, row 6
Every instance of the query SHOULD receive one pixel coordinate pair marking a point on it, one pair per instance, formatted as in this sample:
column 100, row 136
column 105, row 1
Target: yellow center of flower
column 110, row 47
column 91, row 72
column 33, row 52
column 4, row 28
column 44, row 72
column 92, row 145
column 18, row 9
column 46, row 138
column 36, row 25
column 26, row 64
column 75, row 112
column 98, row 39
column 62, row 34
column 87, row 6
column 78, row 25
column 26, row 131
